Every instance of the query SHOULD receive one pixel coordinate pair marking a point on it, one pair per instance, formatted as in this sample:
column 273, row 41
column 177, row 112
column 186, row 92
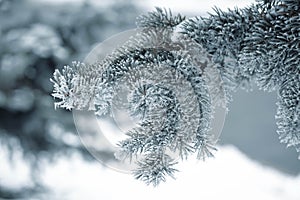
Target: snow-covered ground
column 230, row 175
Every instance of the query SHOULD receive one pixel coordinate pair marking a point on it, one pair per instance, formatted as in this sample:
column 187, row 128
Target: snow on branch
column 259, row 44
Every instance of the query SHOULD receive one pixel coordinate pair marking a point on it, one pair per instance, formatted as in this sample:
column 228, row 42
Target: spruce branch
column 260, row 44
column 288, row 113
column 154, row 168
column 160, row 18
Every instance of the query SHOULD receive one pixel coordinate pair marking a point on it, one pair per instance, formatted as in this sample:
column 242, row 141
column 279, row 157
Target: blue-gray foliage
column 258, row 44
column 263, row 41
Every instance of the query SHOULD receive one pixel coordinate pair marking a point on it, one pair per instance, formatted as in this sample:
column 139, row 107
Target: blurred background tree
column 36, row 38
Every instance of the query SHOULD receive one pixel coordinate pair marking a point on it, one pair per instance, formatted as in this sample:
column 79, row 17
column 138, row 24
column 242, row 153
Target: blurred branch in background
column 36, row 38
